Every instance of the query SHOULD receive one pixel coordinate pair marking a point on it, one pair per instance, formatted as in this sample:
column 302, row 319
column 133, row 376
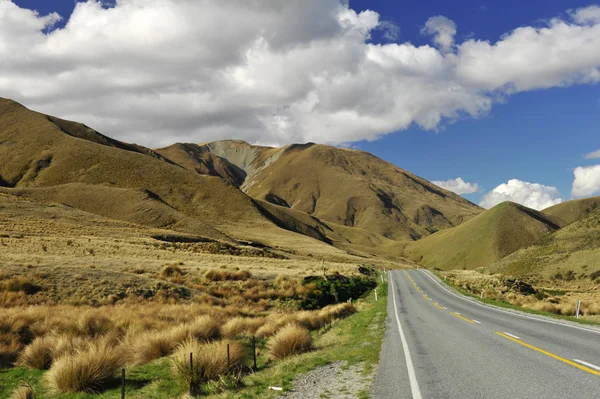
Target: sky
column 494, row 100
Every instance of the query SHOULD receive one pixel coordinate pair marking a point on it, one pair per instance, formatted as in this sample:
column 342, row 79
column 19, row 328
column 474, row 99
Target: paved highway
column 440, row 344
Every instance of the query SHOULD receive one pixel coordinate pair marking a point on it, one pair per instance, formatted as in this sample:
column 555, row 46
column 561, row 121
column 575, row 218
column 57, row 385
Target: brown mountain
column 342, row 186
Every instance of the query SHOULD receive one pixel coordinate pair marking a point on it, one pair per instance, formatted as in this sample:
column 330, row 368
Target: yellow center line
column 463, row 318
column 438, row 306
column 562, row 359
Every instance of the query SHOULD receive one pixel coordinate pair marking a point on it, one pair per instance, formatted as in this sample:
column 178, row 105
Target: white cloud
column 587, row 181
column 443, row 31
column 391, row 31
column 458, row 186
column 158, row 71
column 592, row 155
column 588, row 15
column 531, row 195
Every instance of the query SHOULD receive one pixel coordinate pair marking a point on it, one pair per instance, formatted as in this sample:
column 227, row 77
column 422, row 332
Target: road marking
column 552, row 355
column 590, row 365
column 495, row 309
column 438, row 306
column 510, row 335
column 412, row 376
column 478, row 322
column 463, row 318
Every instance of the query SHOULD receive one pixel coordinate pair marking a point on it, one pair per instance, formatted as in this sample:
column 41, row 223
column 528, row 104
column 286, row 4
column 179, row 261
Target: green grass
column 508, row 305
column 356, row 339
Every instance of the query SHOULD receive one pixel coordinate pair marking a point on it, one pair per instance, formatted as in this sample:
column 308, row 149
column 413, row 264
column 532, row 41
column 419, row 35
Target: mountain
column 484, row 239
column 340, row 186
column 571, row 253
column 571, row 211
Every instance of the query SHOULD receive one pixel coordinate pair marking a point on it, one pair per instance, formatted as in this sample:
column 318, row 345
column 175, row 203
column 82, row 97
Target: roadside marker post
column 122, row 383
column 481, row 296
column 375, row 295
column 578, row 307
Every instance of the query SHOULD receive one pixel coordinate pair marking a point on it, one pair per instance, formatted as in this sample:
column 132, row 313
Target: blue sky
column 533, row 130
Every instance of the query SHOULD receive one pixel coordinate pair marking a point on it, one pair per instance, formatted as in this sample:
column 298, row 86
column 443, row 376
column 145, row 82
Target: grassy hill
column 570, row 253
column 339, row 186
column 571, row 211
column 484, row 239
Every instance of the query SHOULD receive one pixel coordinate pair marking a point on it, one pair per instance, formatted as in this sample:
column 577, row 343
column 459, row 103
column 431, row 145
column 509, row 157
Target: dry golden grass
column 39, row 354
column 23, row 391
column 290, row 340
column 224, row 275
column 209, row 361
column 87, row 370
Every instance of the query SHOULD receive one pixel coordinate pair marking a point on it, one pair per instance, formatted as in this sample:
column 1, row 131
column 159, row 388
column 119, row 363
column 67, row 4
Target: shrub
column 209, row 361
column 88, row 370
column 38, row 354
column 171, row 271
column 23, row 391
column 336, row 289
column 290, row 340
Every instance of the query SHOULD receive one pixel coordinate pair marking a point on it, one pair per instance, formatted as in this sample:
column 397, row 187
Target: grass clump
column 209, row 362
column 225, row 275
column 89, row 370
column 39, row 354
column 171, row 270
column 22, row 284
column 290, row 340
column 23, row 391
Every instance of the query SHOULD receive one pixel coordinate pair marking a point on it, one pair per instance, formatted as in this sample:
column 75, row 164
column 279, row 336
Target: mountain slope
column 484, row 239
column 571, row 211
column 341, row 186
column 573, row 251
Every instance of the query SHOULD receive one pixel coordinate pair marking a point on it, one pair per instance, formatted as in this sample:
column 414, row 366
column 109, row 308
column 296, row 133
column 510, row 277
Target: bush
column 209, row 361
column 290, row 340
column 88, row 370
column 335, row 289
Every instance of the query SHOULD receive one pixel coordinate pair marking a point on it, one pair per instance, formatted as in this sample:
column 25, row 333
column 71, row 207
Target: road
column 440, row 344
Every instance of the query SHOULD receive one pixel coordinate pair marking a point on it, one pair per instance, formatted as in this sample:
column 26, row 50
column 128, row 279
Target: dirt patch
column 333, row 381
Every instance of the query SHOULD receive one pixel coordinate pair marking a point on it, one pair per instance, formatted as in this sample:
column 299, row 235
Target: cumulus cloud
column 443, row 31
column 458, row 186
column 592, row 155
column 158, row 71
column 587, row 181
column 588, row 15
column 531, row 195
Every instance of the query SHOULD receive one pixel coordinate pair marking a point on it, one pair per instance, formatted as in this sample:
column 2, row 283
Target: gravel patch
column 332, row 381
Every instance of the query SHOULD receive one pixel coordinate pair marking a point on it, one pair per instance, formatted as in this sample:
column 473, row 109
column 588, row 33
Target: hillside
column 571, row 211
column 570, row 253
column 340, row 186
column 484, row 239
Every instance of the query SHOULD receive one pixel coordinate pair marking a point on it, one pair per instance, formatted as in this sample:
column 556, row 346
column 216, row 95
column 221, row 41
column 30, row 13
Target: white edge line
column 590, row 365
column 509, row 313
column 412, row 376
column 510, row 335
column 478, row 322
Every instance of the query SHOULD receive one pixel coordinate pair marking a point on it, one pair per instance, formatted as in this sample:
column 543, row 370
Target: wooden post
column 254, row 351
column 228, row 360
column 123, row 384
column 191, row 373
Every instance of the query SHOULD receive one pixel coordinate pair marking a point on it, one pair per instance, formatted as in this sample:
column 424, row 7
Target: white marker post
column 444, row 276
column 375, row 294
column 481, row 296
column 578, row 306
column 381, row 275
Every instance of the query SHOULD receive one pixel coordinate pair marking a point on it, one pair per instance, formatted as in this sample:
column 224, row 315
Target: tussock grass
column 209, row 361
column 171, row 270
column 87, row 370
column 38, row 354
column 23, row 391
column 242, row 325
column 225, row 275
column 290, row 340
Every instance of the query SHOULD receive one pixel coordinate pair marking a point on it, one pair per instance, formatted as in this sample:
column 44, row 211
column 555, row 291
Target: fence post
column 123, row 383
column 228, row 360
column 191, row 373
column 254, row 351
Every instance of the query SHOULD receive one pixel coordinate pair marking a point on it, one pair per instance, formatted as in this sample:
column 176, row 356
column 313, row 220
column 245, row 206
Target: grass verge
column 356, row 339
column 508, row 305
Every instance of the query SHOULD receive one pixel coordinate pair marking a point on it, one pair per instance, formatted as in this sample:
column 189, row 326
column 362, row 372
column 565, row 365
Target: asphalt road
column 440, row 344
